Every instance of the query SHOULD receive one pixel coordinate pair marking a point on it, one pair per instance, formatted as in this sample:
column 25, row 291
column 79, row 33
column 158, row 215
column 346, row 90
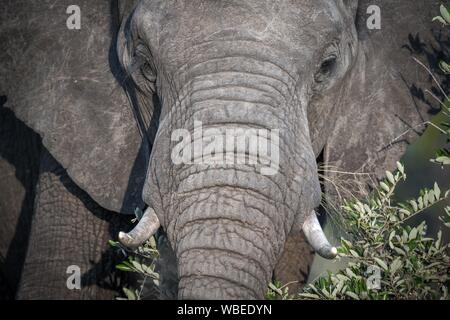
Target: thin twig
column 436, row 98
column 432, row 76
column 415, row 127
column 350, row 173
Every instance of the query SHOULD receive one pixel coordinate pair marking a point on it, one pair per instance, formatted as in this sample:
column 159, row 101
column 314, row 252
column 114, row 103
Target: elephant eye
column 141, row 70
column 326, row 69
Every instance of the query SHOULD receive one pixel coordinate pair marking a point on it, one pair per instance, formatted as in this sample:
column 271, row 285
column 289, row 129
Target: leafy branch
column 388, row 259
column 443, row 156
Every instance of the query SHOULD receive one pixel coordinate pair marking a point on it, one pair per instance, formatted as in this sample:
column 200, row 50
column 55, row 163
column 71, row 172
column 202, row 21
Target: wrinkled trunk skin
column 226, row 244
column 230, row 252
column 227, row 239
column 228, row 223
column 228, row 233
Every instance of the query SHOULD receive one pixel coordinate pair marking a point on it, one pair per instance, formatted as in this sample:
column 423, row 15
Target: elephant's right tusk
column 146, row 227
column 316, row 238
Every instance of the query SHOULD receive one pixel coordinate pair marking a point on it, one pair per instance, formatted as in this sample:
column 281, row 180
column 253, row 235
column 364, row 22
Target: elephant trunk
column 227, row 249
column 242, row 173
column 230, row 224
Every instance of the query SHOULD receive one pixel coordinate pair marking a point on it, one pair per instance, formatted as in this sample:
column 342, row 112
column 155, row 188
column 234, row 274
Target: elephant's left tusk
column 146, row 227
column 316, row 238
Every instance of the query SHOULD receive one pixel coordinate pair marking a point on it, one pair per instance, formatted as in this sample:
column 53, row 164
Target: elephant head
column 255, row 65
column 307, row 74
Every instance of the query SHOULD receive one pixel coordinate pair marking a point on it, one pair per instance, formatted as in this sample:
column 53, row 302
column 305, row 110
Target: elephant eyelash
column 328, row 65
column 141, row 50
column 326, row 69
column 139, row 69
column 143, row 54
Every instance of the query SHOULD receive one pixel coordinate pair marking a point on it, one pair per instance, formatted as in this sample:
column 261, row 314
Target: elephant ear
column 385, row 106
column 66, row 85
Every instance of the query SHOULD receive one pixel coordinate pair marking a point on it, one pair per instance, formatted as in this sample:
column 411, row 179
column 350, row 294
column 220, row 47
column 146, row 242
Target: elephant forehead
column 290, row 26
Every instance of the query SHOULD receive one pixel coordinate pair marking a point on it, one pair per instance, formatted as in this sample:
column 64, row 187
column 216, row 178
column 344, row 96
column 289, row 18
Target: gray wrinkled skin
column 308, row 68
column 259, row 67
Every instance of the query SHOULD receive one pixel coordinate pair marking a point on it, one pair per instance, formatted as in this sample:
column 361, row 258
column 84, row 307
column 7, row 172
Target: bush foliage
column 388, row 259
column 443, row 156
column 142, row 262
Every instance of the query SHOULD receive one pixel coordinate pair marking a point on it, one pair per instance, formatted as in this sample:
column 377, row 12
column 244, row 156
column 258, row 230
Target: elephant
column 109, row 98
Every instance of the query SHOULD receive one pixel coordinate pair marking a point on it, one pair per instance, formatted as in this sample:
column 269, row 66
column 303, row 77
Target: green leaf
column 437, row 244
column 149, row 270
column 113, row 244
column 399, row 251
column 309, row 296
column 390, row 177
column 414, row 205
column 342, row 277
column 326, row 294
column 413, row 234
column 352, row 295
column 443, row 160
column 130, row 294
column 425, row 198
column 437, row 191
column 391, row 235
column 124, row 268
column 439, row 19
column 431, row 197
column 381, row 263
column 275, row 289
column 396, row 265
column 406, row 212
column 338, row 288
column 138, row 266
column 350, row 273
column 420, row 201
column 401, row 168
column 346, row 243
column 384, row 186
column 354, row 253
column 444, row 13
column 152, row 242
column 445, row 67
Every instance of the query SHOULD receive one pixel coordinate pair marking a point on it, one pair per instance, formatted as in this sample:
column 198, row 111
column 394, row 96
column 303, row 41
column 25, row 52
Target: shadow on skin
column 21, row 147
column 24, row 157
column 430, row 55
